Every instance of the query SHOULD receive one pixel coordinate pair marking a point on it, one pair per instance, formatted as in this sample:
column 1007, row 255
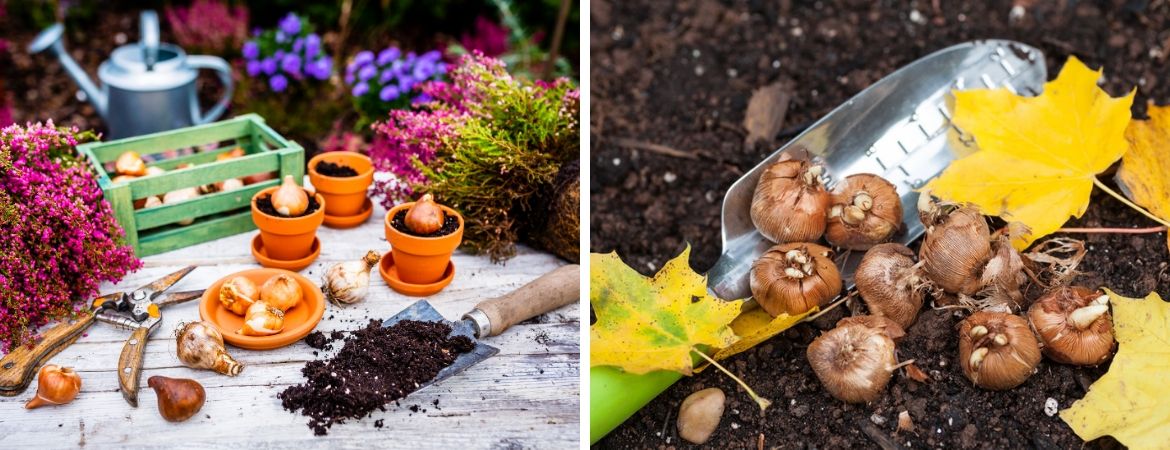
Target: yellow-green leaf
column 756, row 326
column 646, row 324
column 1038, row 156
column 1131, row 402
column 1145, row 169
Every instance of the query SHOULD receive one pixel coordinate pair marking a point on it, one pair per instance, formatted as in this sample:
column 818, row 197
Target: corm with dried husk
column 997, row 350
column 790, row 202
column 1074, row 324
column 795, row 277
column 889, row 282
column 854, row 361
column 865, row 211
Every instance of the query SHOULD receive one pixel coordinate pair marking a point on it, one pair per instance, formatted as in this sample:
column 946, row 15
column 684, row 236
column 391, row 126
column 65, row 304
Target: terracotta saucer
column 390, row 274
column 351, row 221
column 298, row 321
column 294, row 265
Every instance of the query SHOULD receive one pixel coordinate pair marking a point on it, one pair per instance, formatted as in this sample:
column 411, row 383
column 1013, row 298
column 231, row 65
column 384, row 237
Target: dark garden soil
column 335, row 170
column 669, row 89
column 264, row 204
column 450, row 224
column 375, row 366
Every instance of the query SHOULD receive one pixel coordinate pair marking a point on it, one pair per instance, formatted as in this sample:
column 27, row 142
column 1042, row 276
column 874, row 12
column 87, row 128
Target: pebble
column 1051, row 407
column 877, row 419
column 669, row 177
column 699, row 415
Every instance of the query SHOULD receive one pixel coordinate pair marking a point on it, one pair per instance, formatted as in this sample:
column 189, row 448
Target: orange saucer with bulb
column 295, row 265
column 299, row 321
column 390, row 274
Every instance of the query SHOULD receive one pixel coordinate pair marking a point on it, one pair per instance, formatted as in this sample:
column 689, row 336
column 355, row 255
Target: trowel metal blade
column 423, row 311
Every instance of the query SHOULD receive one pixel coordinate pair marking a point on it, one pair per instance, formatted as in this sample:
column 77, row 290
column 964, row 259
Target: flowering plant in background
column 61, row 238
column 289, row 54
column 489, row 38
column 388, row 80
column 209, row 26
column 511, row 42
column 487, row 144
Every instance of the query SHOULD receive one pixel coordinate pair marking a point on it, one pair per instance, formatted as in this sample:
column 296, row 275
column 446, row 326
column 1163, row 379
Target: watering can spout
column 50, row 39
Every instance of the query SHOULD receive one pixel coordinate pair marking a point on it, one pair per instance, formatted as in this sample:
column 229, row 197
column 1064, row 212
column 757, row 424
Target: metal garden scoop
column 491, row 317
column 899, row 128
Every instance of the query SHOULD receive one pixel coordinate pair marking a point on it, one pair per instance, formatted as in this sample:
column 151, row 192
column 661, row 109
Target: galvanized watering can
column 146, row 86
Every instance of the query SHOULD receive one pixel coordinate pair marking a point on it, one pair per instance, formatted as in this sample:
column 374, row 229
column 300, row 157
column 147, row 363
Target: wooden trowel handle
column 20, row 365
column 551, row 291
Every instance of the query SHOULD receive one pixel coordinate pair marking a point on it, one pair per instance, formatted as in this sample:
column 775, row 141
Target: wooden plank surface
column 527, row 396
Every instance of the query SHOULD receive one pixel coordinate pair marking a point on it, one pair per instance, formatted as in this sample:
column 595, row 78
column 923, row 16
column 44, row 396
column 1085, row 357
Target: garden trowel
column 491, row 317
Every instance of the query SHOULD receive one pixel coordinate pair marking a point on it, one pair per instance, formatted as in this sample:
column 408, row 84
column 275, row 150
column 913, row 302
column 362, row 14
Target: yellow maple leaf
column 1131, row 402
column 756, row 326
column 1145, row 168
column 1038, row 156
column 646, row 324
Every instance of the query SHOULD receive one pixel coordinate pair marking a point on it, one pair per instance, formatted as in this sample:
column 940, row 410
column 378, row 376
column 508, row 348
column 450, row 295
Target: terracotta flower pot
column 346, row 196
column 421, row 260
column 287, row 238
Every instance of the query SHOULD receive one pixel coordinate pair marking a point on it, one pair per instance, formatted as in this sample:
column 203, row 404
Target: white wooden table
column 527, row 396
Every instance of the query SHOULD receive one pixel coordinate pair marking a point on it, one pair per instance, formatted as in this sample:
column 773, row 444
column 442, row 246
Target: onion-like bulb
column 853, row 361
column 424, row 216
column 262, row 320
column 793, row 278
column 178, row 398
column 349, row 281
column 56, row 385
column 956, row 249
column 200, row 345
column 888, row 281
column 997, row 350
column 1074, row 324
column 865, row 211
column 238, row 294
column 282, row 292
column 130, row 163
column 290, row 200
column 790, row 202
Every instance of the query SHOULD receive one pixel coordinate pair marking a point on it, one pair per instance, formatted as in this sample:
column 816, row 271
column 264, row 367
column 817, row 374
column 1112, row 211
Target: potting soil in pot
column 376, row 365
column 335, row 170
column 265, row 206
column 450, row 224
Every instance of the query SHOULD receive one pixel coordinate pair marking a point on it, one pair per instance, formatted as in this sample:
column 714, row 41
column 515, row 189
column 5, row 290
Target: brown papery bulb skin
column 262, row 320
column 1075, row 325
column 997, row 350
column 290, row 200
column 889, row 283
column 790, row 203
column 955, row 251
column 424, row 216
column 281, row 292
column 130, row 163
column 795, row 277
column 866, row 210
column 853, row 361
column 200, row 345
column 891, row 328
column 238, row 294
column 56, row 385
column 178, row 398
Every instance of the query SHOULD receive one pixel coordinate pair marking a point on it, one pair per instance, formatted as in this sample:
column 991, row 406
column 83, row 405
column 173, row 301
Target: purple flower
column 389, row 93
column 251, row 50
column 312, row 45
column 349, row 78
column 432, row 56
column 405, row 83
column 364, row 57
column 298, row 44
column 279, row 55
column 441, row 68
column 320, row 68
column 421, row 99
column 291, row 64
column 361, row 89
column 253, row 68
column 268, row 65
column 388, row 55
column 386, row 76
column 290, row 24
column 422, row 70
column 278, row 83
column 367, row 72
column 281, row 37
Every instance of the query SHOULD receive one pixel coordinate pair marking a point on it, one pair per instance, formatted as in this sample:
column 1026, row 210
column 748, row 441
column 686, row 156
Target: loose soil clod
column 377, row 365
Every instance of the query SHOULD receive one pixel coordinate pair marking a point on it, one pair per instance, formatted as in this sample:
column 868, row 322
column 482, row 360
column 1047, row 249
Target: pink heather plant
column 489, row 38
column 209, row 25
column 59, row 239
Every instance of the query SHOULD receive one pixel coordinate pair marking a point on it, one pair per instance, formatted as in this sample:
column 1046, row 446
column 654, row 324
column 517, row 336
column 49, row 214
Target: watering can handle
column 224, row 71
column 148, row 28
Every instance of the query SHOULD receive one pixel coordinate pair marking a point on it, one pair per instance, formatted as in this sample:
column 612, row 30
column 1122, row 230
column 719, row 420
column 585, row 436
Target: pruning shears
column 136, row 311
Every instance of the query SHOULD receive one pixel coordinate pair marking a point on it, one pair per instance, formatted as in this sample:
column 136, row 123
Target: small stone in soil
column 450, row 224
column 264, row 204
column 375, row 366
column 335, row 170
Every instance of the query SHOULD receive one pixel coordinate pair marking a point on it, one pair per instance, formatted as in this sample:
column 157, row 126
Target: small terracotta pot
column 421, row 260
column 287, row 238
column 345, row 195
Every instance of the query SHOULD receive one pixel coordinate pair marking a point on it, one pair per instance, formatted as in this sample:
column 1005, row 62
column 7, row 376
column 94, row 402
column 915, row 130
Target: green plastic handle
column 615, row 395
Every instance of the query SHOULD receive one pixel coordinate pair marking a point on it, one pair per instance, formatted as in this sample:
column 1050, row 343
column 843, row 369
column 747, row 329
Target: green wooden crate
column 155, row 230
